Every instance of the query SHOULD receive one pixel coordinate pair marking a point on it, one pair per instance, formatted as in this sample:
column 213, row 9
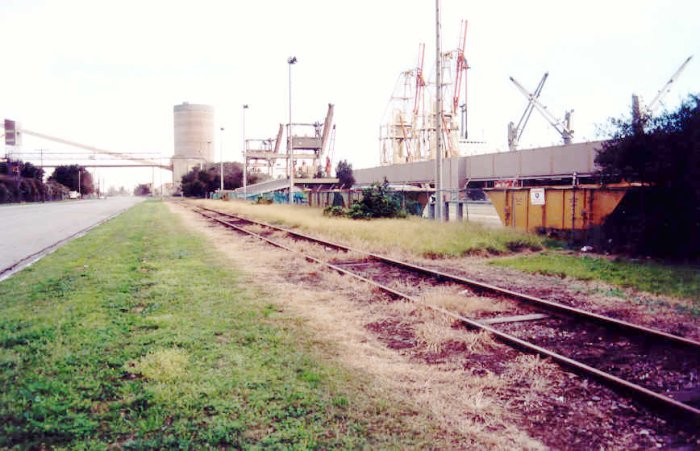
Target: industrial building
column 194, row 138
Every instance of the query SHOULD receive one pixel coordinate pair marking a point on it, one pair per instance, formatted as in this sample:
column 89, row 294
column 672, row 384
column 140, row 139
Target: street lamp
column 222, row 163
column 290, row 145
column 245, row 158
column 438, row 118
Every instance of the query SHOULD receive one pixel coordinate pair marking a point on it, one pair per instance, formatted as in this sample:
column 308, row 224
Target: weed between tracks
column 135, row 336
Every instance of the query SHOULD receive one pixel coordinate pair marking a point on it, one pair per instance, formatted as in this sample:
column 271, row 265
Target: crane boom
column 420, row 81
column 516, row 132
column 563, row 128
column 462, row 67
column 667, row 87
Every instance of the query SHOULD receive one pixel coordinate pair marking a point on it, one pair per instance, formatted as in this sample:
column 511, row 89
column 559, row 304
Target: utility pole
column 438, row 117
column 245, row 158
column 290, row 145
column 80, row 192
column 222, row 162
column 41, row 166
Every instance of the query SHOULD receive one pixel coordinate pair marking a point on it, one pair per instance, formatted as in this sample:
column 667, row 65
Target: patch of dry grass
column 533, row 371
column 436, row 337
column 414, row 235
column 163, row 365
column 452, row 299
column 254, row 228
column 336, row 309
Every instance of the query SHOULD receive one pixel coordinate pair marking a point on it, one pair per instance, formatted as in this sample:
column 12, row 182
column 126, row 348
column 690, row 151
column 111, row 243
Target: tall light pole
column 221, row 146
column 245, row 158
column 438, row 117
column 290, row 145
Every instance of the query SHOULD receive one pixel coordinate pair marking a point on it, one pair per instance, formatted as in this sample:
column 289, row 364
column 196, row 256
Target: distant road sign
column 12, row 136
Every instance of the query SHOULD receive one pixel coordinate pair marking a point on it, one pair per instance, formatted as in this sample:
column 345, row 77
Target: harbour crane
column 514, row 133
column 562, row 127
column 642, row 114
column 461, row 72
column 420, row 82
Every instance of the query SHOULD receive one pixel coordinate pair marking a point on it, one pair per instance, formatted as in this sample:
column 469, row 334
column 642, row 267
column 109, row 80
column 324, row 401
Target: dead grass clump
column 474, row 409
column 430, row 315
column 161, row 366
column 480, row 342
column 403, row 308
column 255, row 228
column 434, row 337
column 333, row 280
column 537, row 373
column 306, row 249
column 437, row 330
column 452, row 300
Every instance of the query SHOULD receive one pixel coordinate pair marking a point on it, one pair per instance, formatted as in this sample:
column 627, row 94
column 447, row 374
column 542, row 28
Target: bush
column 260, row 200
column 334, row 211
column 378, row 201
column 663, row 154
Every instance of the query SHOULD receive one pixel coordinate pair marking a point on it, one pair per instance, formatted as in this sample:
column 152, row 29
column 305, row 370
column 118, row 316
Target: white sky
column 107, row 73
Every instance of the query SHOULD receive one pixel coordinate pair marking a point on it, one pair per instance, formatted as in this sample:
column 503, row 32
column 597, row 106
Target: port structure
column 407, row 133
column 312, row 144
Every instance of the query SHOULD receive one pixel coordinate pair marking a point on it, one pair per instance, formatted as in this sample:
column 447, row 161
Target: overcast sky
column 107, row 73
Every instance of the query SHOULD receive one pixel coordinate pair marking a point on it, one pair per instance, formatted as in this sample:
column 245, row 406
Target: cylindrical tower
column 194, row 138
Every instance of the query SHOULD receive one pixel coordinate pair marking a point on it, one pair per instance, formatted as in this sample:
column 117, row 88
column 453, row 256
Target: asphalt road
column 29, row 229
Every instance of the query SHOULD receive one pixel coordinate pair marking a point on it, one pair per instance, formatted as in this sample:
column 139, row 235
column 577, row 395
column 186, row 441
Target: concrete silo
column 194, row 138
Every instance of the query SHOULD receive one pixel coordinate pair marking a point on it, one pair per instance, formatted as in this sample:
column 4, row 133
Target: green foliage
column 334, row 211
column 674, row 280
column 663, row 218
column 142, row 190
column 343, row 171
column 378, row 201
column 23, row 182
column 202, row 180
column 156, row 345
column 68, row 176
column 29, row 171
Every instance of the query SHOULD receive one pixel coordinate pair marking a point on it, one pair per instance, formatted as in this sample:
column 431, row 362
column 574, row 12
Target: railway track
column 659, row 369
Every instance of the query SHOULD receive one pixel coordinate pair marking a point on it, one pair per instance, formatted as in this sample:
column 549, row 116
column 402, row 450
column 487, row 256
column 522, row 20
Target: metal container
column 555, row 208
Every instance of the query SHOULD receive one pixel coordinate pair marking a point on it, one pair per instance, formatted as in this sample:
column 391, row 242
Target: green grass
column 673, row 280
column 134, row 336
column 414, row 235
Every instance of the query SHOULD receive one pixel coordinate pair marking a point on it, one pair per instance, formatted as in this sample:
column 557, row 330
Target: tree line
column 22, row 181
column 205, row 179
